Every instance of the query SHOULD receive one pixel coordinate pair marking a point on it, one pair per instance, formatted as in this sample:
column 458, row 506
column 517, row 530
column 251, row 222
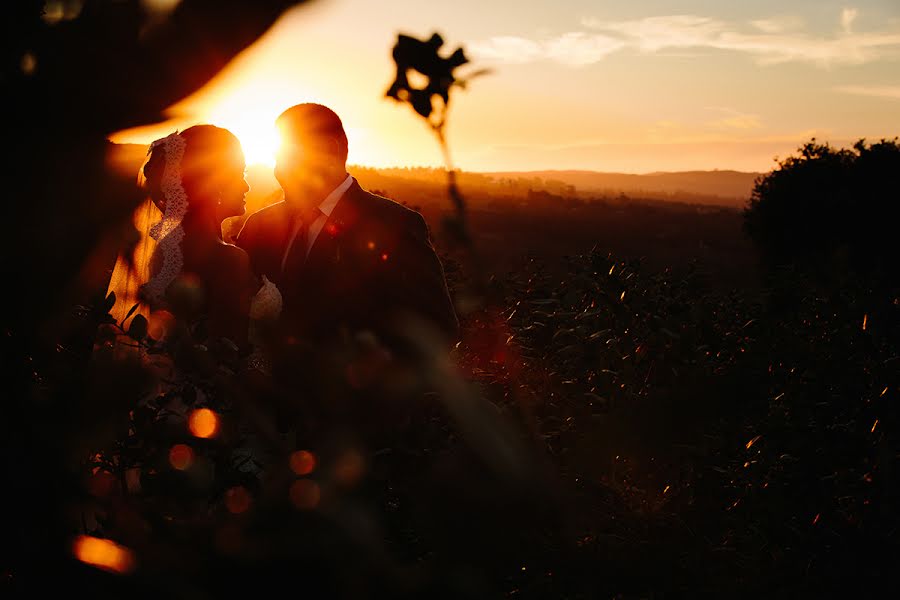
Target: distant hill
column 723, row 188
column 732, row 186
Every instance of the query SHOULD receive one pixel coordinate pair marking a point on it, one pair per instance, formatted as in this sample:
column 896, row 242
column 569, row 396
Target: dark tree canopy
column 830, row 210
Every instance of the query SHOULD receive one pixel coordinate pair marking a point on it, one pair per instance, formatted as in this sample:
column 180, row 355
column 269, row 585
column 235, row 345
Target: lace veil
column 143, row 273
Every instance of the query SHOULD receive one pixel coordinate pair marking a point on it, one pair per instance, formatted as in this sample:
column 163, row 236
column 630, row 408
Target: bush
column 829, row 210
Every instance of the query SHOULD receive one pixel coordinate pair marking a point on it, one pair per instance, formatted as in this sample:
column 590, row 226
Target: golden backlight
column 563, row 102
column 288, row 66
column 250, row 118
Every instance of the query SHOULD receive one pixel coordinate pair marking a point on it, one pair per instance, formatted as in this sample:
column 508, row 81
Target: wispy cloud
column 848, row 15
column 575, row 48
column 734, row 120
column 658, row 33
column 771, row 41
column 580, row 48
column 876, row 91
column 778, row 24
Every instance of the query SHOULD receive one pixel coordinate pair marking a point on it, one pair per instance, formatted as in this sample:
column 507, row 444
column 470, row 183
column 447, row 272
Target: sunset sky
column 655, row 85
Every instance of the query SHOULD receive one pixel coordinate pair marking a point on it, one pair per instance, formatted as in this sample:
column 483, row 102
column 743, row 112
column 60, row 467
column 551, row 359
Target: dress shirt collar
column 327, row 205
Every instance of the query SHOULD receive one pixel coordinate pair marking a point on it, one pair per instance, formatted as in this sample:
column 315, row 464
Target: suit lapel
column 273, row 248
column 329, row 249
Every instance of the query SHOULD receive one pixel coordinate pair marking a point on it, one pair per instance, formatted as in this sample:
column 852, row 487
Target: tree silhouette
column 830, row 211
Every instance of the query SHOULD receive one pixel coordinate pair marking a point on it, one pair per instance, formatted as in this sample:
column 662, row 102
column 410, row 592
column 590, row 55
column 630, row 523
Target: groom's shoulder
column 261, row 220
column 388, row 211
column 267, row 215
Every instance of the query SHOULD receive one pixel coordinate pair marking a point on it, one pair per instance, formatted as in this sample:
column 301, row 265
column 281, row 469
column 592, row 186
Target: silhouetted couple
column 330, row 259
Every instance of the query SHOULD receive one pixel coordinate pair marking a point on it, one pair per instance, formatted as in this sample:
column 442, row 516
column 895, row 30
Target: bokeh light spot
column 348, row 468
column 303, row 462
column 29, row 63
column 103, row 554
column 203, row 423
column 181, row 457
column 305, row 494
column 238, row 500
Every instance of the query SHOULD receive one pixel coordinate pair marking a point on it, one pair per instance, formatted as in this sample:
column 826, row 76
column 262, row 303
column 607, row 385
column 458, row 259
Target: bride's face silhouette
column 232, row 188
column 213, row 172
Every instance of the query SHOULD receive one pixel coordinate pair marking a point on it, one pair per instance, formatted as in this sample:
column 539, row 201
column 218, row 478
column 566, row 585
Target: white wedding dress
column 265, row 306
column 265, row 309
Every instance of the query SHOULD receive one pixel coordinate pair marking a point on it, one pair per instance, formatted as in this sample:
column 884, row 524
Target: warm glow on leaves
column 101, row 484
column 753, row 441
column 103, row 554
column 203, row 423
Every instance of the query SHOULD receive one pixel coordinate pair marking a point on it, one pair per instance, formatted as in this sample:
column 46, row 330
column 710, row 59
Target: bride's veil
column 132, row 270
column 143, row 272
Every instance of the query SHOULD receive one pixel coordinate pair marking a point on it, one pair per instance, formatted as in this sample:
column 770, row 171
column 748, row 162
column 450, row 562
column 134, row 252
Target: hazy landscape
column 668, row 219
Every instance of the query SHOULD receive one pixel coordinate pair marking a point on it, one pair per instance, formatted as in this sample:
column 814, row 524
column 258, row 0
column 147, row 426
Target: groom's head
column 313, row 151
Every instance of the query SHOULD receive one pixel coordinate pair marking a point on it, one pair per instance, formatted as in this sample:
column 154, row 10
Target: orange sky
column 667, row 85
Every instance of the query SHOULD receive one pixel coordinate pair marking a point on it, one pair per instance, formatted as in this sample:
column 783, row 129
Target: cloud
column 770, row 41
column 848, row 15
column 778, row 24
column 509, row 49
column 580, row 48
column 734, row 120
column 875, row 91
column 657, row 33
column 575, row 48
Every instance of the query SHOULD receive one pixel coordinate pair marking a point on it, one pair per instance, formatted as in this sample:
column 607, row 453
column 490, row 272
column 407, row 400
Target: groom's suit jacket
column 371, row 265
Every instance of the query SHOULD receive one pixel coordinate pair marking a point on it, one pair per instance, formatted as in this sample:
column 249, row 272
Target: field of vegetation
column 639, row 407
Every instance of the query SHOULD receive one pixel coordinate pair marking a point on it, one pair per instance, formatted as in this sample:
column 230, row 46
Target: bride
column 183, row 283
column 181, row 266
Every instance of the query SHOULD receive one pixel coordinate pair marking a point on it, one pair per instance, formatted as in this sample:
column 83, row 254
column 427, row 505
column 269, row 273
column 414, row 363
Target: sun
column 257, row 134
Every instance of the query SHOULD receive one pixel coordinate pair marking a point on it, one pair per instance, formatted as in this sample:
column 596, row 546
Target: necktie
column 297, row 254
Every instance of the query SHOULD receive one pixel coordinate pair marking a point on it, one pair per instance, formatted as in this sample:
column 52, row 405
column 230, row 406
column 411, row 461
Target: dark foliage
column 830, row 210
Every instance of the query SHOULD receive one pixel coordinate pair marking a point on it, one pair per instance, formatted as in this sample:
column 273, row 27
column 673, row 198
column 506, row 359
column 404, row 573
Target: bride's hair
column 207, row 149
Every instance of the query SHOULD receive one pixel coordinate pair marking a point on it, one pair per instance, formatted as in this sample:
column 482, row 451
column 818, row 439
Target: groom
column 344, row 259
